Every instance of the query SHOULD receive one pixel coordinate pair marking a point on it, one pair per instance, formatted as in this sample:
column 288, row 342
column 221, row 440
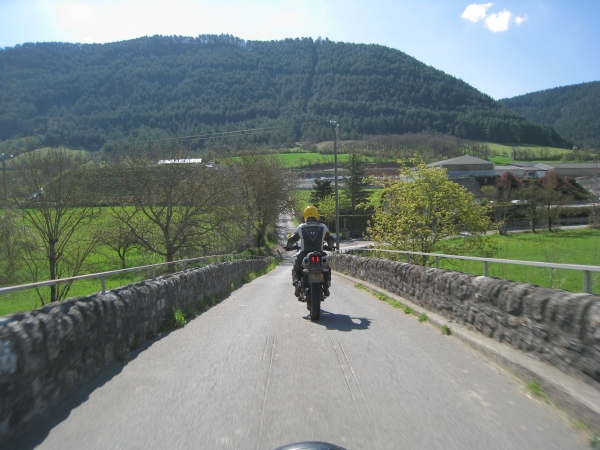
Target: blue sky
column 503, row 48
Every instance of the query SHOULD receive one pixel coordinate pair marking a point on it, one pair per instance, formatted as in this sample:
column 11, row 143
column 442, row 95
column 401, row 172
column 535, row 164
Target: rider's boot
column 326, row 283
column 297, row 284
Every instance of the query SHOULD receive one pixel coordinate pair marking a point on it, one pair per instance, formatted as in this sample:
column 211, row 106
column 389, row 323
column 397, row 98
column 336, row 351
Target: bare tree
column 50, row 192
column 531, row 193
column 264, row 190
column 118, row 237
column 552, row 196
column 172, row 206
column 9, row 246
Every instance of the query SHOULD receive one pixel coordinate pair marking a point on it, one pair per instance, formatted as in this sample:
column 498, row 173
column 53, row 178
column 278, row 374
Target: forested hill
column 94, row 95
column 573, row 111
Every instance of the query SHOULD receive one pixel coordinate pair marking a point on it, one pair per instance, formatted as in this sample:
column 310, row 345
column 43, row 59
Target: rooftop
column 461, row 160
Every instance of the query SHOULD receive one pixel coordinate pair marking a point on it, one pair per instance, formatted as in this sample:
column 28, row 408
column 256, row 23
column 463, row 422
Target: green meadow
column 102, row 260
column 580, row 246
column 499, row 150
column 312, row 158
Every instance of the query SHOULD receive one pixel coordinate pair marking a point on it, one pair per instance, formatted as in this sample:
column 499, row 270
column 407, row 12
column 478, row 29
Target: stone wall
column 555, row 326
column 46, row 353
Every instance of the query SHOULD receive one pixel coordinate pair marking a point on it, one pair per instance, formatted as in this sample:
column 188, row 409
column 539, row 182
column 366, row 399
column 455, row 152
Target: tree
column 508, row 183
column 120, row 238
column 327, row 209
column 552, row 196
column 57, row 210
column 264, row 191
column 355, row 186
column 174, row 206
column 532, row 195
column 501, row 194
column 321, row 189
column 427, row 209
column 9, row 248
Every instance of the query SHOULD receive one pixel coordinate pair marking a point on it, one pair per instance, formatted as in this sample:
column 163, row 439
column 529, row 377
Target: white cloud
column 499, row 21
column 475, row 13
column 519, row 20
column 496, row 22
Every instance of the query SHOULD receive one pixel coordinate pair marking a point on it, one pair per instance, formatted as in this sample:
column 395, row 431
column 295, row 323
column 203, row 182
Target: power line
column 234, row 133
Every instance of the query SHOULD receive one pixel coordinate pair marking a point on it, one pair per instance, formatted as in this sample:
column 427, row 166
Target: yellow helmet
column 310, row 211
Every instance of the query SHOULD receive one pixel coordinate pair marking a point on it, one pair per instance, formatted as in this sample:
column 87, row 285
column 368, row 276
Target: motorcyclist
column 313, row 234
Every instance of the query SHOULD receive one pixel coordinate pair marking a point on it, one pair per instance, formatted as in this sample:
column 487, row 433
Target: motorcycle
column 312, row 288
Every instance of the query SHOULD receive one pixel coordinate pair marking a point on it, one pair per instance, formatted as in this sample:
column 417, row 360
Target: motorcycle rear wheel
column 315, row 301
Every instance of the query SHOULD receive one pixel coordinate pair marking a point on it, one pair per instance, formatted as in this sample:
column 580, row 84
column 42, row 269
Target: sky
column 503, row 48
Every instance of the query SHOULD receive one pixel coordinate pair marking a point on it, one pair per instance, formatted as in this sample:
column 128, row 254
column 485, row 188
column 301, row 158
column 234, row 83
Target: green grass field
column 308, row 159
column 563, row 246
column 102, row 260
column 499, row 149
column 304, row 195
column 28, row 299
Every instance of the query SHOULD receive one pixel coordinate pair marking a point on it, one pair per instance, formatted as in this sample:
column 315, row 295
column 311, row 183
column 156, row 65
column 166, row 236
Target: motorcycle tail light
column 315, row 258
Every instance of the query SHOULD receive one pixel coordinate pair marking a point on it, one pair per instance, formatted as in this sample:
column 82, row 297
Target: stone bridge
column 253, row 372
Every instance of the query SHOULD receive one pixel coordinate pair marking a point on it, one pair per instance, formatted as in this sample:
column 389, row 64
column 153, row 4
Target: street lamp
column 336, row 126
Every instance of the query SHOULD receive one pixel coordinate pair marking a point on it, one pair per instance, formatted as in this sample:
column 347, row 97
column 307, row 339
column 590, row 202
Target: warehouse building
column 466, row 166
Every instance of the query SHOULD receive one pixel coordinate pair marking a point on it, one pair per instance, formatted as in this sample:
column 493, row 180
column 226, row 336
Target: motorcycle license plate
column 315, row 277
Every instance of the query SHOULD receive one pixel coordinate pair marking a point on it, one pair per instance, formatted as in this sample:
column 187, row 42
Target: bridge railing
column 586, row 270
column 103, row 275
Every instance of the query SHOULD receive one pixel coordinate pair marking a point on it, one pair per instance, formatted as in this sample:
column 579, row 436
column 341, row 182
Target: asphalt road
column 254, row 373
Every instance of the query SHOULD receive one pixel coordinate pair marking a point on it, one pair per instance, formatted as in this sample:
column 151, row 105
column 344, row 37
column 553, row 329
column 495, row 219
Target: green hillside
column 573, row 111
column 92, row 96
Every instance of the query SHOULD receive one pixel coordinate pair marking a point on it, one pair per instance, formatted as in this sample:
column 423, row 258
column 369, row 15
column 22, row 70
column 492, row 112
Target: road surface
column 254, row 373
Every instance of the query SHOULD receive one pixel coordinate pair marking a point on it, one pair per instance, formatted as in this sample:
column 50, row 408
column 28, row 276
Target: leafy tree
column 321, row 189
column 420, row 213
column 355, row 185
column 327, row 209
column 61, row 233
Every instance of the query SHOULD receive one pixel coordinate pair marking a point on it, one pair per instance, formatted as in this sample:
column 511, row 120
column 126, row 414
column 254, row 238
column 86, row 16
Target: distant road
column 254, row 373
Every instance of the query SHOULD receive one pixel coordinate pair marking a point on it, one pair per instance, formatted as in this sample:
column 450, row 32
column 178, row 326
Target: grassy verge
column 392, row 302
column 399, row 305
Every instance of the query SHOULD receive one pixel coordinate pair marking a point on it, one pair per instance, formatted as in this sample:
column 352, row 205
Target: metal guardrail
column 587, row 270
column 103, row 275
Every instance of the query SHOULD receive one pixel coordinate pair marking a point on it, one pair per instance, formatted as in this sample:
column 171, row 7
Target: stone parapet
column 46, row 353
column 558, row 327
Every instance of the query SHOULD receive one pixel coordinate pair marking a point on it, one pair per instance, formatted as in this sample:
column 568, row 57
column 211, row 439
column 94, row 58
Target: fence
column 587, row 270
column 103, row 275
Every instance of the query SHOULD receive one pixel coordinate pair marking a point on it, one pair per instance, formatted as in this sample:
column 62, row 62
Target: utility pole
column 336, row 127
